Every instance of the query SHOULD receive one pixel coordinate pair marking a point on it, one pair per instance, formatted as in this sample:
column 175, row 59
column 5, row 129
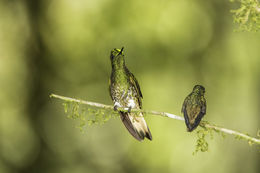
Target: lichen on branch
column 97, row 113
column 87, row 116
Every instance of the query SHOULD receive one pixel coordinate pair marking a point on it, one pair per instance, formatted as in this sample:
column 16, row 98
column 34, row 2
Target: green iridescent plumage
column 194, row 107
column 125, row 92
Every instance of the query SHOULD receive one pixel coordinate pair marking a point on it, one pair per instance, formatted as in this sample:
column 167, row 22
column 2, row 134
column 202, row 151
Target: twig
column 240, row 135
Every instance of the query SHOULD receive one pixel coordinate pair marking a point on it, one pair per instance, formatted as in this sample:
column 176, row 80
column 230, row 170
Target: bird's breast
column 131, row 103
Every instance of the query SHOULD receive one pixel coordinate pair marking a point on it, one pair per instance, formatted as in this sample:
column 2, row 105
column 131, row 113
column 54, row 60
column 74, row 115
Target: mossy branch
column 201, row 143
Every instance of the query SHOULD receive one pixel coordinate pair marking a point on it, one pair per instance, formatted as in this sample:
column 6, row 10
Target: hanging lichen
column 202, row 135
column 87, row 113
column 87, row 116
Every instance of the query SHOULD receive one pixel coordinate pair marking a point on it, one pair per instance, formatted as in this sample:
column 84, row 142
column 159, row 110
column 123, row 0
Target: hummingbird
column 194, row 107
column 126, row 93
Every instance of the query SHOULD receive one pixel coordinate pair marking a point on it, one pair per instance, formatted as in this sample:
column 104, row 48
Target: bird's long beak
column 121, row 51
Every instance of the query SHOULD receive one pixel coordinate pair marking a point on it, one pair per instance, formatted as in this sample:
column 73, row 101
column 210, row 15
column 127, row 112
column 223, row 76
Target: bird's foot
column 115, row 108
column 129, row 109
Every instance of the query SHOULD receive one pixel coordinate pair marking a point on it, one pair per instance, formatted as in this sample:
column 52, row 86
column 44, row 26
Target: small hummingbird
column 194, row 107
column 125, row 92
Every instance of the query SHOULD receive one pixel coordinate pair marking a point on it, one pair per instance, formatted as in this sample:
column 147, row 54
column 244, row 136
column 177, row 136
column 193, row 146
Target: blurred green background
column 63, row 47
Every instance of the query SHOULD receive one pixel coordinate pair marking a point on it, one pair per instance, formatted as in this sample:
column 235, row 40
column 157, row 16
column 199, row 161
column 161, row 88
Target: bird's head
column 199, row 89
column 117, row 56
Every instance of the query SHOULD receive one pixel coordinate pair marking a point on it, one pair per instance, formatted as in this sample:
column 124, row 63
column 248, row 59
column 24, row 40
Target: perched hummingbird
column 125, row 92
column 194, row 107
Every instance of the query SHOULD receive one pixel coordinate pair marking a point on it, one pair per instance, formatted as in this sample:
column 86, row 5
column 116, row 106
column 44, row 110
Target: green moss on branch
column 98, row 113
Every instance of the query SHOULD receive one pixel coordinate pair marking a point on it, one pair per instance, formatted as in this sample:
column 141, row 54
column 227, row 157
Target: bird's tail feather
column 136, row 126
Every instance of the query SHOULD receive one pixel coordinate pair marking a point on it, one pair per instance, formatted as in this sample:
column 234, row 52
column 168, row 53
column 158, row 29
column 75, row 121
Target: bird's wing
column 192, row 116
column 204, row 105
column 198, row 114
column 135, row 83
column 193, row 113
column 109, row 88
column 184, row 111
column 184, row 104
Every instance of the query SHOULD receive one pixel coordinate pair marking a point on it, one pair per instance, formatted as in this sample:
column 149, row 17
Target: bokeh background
column 63, row 47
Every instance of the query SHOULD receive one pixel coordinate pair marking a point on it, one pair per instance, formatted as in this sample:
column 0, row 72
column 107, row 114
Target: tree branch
column 203, row 124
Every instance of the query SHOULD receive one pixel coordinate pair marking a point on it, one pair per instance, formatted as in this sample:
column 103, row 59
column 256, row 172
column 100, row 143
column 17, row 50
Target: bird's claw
column 115, row 108
column 129, row 109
